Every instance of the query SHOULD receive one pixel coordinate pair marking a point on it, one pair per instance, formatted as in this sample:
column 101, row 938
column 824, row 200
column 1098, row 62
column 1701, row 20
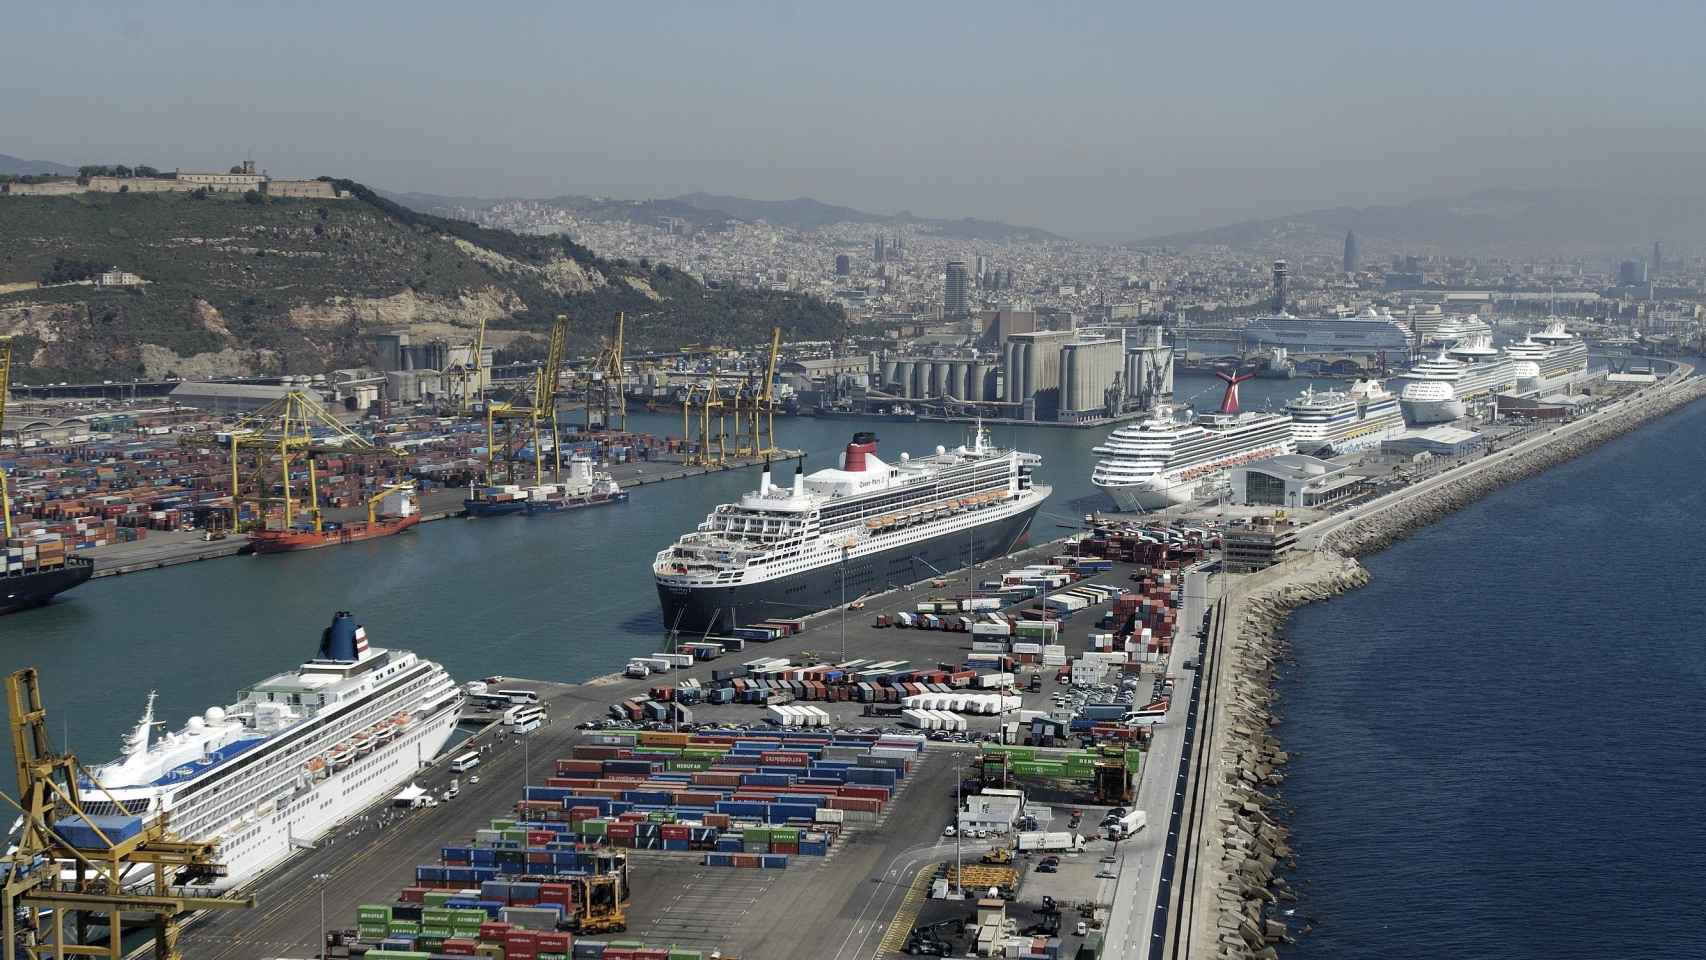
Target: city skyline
column 1099, row 130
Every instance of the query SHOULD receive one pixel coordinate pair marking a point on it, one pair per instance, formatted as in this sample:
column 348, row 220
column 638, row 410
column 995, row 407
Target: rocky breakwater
column 1243, row 847
column 1412, row 511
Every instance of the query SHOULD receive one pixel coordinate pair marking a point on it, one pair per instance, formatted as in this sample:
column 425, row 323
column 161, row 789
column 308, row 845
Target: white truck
column 1127, row 825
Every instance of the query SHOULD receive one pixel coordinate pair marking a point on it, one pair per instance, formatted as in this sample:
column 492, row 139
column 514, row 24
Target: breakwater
column 1244, row 844
column 1409, row 512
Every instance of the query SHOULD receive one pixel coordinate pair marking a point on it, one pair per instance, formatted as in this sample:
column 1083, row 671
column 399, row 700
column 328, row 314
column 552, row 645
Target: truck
column 1128, row 824
column 1050, row 841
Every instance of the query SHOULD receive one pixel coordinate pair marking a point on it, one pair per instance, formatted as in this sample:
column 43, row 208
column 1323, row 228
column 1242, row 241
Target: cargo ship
column 860, row 527
column 297, row 754
column 399, row 513
column 32, row 585
column 583, row 488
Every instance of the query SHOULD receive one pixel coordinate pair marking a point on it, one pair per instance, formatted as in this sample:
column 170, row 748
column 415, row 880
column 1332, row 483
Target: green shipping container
column 594, row 828
column 685, row 955
column 398, row 955
column 438, row 898
column 372, row 911
column 404, row 928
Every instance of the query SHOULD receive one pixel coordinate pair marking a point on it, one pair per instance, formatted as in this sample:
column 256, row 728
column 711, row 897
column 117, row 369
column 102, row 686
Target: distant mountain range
column 710, row 211
column 19, row 168
column 1505, row 221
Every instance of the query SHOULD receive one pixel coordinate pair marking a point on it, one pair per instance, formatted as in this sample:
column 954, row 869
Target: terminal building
column 1440, row 441
column 1295, row 480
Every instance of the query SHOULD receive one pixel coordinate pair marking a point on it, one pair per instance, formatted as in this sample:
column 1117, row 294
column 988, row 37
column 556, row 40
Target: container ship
column 583, row 488
column 33, row 581
column 399, row 512
column 1340, row 421
column 299, row 753
column 1162, row 462
column 861, row 527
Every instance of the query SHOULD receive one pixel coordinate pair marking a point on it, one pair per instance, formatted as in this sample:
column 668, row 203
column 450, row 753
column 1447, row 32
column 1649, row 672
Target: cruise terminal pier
column 850, row 884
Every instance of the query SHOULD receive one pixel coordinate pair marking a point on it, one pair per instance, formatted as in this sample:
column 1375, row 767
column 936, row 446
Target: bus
column 466, row 761
column 525, row 719
column 520, row 696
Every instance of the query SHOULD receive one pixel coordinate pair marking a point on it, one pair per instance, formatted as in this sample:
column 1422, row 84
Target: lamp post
column 844, row 603
column 321, row 879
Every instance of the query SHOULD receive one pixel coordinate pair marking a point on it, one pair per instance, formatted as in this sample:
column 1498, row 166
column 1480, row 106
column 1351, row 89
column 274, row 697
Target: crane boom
column 5, row 389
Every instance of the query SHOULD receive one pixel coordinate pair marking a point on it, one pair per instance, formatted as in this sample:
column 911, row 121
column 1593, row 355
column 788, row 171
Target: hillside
column 239, row 286
column 707, row 211
column 1508, row 222
column 21, row 168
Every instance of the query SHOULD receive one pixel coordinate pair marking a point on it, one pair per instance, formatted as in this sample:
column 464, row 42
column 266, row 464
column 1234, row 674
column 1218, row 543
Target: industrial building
column 1265, row 542
column 1294, row 480
column 1091, row 384
column 937, row 378
column 1440, row 441
column 228, row 398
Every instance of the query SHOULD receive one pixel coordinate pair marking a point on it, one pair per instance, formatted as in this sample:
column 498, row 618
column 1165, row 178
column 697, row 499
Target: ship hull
column 537, row 508
column 488, row 508
column 34, row 588
column 1432, row 411
column 1153, row 495
column 272, row 541
column 703, row 610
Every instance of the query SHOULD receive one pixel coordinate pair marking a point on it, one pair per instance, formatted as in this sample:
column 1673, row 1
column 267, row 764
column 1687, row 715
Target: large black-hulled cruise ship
column 779, row 551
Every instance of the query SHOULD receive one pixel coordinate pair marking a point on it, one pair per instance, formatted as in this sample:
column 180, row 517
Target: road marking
column 907, row 914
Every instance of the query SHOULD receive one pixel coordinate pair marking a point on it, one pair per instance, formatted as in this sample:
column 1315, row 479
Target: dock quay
column 866, row 892
column 1232, row 847
column 170, row 548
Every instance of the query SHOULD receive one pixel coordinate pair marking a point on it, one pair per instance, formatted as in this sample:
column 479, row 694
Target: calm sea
column 1495, row 740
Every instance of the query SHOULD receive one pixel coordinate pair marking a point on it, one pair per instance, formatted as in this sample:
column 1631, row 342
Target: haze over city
column 1103, row 123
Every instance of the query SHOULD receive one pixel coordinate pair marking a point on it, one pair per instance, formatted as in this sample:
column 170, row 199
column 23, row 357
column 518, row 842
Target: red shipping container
column 456, row 947
column 493, row 930
column 413, row 895
column 555, row 943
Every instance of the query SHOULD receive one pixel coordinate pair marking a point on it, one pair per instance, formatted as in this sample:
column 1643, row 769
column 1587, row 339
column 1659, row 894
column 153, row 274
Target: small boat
column 339, row 756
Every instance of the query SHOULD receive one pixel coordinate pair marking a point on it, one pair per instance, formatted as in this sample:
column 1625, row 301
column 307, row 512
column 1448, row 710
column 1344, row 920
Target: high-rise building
column 1280, row 286
column 1658, row 262
column 982, row 267
column 843, row 265
column 877, row 250
column 1631, row 273
column 956, row 294
column 1350, row 251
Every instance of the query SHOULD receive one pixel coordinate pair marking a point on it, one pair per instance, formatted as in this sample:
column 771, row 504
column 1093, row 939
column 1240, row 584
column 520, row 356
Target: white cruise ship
column 297, row 754
column 1554, row 353
column 1367, row 332
column 1340, row 421
column 860, row 527
column 1162, row 462
column 1436, row 329
column 1438, row 389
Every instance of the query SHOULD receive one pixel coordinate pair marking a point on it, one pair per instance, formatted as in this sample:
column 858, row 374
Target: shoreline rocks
column 1244, row 848
column 1380, row 530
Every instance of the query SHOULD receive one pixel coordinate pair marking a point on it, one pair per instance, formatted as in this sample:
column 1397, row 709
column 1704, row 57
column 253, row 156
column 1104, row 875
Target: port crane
column 711, row 401
column 547, row 387
column 467, row 375
column 604, row 387
column 294, row 424
column 74, row 862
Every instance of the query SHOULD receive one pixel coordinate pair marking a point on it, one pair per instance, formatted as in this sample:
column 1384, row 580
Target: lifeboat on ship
column 339, row 756
column 363, row 743
column 403, row 721
column 316, row 768
column 383, row 731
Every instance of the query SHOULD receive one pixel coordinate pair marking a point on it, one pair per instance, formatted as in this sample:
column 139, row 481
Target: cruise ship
column 297, row 754
column 1438, row 329
column 860, row 527
column 1162, row 462
column 1340, row 421
column 1438, row 389
column 1367, row 332
column 1553, row 353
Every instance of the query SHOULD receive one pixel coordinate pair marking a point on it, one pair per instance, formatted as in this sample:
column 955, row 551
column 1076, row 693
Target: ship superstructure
column 860, row 527
column 296, row 754
column 1339, row 421
column 1366, row 333
column 1548, row 354
column 1162, row 461
column 1429, row 393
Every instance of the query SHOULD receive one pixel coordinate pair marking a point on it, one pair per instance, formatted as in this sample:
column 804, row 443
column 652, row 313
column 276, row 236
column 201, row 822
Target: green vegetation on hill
column 268, row 285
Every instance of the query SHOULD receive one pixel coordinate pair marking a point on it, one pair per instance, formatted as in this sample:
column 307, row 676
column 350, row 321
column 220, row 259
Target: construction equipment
column 373, row 501
column 296, row 423
column 547, row 385
column 88, row 866
column 999, row 856
column 604, row 387
column 597, row 905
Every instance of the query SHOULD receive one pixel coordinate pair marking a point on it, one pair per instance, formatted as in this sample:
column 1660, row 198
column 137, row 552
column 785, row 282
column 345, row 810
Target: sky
column 1105, row 122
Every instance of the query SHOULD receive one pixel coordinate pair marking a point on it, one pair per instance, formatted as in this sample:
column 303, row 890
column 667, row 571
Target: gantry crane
column 70, row 861
column 5, row 387
column 547, row 386
column 713, row 451
column 469, row 372
column 287, row 426
column 604, row 388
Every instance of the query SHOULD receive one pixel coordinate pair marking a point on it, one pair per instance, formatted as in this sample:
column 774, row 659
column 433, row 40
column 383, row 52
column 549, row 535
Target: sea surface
column 565, row 597
column 1496, row 742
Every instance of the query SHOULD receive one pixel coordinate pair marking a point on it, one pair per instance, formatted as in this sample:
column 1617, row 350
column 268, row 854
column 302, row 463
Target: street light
column 321, row 879
column 844, row 603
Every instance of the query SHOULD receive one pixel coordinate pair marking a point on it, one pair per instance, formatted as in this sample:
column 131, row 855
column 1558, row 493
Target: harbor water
column 1493, row 743
column 561, row 597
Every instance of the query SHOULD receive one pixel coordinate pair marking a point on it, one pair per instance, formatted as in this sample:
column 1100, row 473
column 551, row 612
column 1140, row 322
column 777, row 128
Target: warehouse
column 1294, row 480
column 1441, row 441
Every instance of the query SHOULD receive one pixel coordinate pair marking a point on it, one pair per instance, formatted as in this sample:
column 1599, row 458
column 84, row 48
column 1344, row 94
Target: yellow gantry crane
column 754, row 405
column 713, row 450
column 5, row 388
column 90, row 866
column 547, row 386
column 287, row 427
column 604, row 387
column 469, row 375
